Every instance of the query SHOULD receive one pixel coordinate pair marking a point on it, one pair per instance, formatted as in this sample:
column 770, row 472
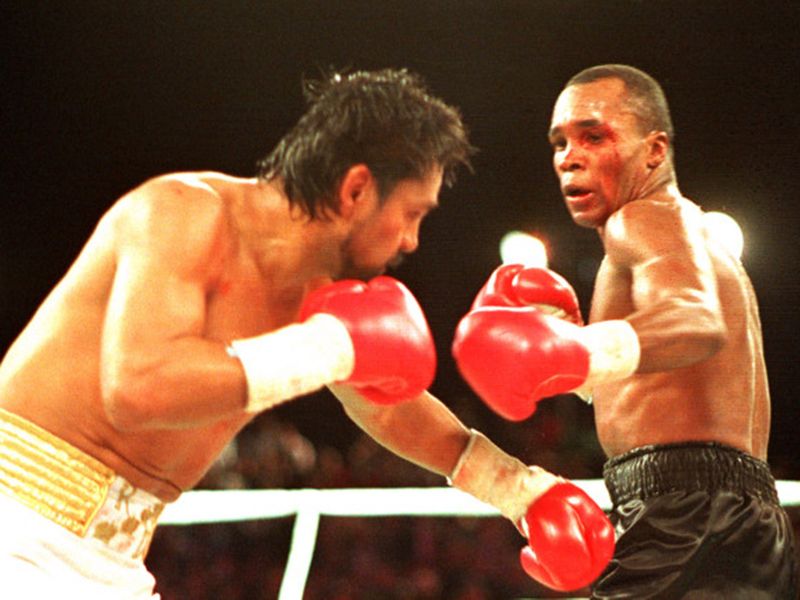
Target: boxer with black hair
column 672, row 358
column 202, row 300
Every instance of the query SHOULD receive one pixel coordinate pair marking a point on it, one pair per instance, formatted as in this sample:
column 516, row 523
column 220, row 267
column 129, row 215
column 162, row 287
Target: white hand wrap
column 498, row 479
column 294, row 360
column 614, row 353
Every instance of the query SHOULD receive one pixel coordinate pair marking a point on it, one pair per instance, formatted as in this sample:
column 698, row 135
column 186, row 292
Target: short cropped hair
column 647, row 97
column 385, row 119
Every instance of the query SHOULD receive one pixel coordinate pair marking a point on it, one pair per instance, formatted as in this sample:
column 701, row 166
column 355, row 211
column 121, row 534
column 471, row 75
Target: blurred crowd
column 311, row 444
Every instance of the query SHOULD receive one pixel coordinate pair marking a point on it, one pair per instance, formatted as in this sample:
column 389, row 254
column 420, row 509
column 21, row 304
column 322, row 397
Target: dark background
column 98, row 96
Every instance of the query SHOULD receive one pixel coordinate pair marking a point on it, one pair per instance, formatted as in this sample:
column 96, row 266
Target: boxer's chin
column 360, row 272
column 365, row 273
column 395, row 262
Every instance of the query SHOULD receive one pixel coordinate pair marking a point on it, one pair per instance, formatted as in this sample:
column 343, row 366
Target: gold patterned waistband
column 73, row 489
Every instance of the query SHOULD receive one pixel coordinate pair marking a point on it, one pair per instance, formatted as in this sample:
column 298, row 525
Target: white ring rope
column 206, row 506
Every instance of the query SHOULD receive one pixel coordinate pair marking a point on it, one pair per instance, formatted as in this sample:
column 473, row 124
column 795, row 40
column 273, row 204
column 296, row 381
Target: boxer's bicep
column 676, row 310
column 678, row 277
column 158, row 298
column 665, row 254
column 150, row 305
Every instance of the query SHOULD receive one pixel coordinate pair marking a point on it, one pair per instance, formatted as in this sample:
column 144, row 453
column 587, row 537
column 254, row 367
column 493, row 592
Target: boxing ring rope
column 308, row 505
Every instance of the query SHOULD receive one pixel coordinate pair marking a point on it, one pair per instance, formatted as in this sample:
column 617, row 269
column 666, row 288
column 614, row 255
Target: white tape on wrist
column 294, row 360
column 614, row 351
column 496, row 478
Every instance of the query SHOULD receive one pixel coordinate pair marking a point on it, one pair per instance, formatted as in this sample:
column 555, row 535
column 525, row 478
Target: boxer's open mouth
column 575, row 192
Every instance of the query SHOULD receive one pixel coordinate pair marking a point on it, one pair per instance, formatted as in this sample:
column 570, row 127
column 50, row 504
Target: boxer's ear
column 657, row 148
column 357, row 188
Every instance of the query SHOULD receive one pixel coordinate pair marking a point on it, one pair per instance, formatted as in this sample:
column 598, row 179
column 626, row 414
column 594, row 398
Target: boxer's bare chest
column 708, row 400
column 245, row 304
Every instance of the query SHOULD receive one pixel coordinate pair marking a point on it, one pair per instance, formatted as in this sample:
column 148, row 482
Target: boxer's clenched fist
column 514, row 285
column 570, row 539
column 372, row 336
column 513, row 357
column 393, row 350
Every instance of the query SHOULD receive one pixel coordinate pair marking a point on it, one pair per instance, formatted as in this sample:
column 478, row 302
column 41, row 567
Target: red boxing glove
column 395, row 358
column 499, row 289
column 546, row 289
column 515, row 285
column 513, row 357
column 571, row 541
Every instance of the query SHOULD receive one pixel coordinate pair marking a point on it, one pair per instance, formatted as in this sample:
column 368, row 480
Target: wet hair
column 647, row 99
column 385, row 119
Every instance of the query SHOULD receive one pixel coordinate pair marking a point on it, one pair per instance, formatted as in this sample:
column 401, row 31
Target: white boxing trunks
column 71, row 527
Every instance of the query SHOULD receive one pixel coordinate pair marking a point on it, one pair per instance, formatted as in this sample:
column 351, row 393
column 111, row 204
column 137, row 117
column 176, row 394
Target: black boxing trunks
column 697, row 520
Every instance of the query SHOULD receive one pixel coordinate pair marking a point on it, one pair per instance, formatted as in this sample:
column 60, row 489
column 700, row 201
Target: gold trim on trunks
column 49, row 475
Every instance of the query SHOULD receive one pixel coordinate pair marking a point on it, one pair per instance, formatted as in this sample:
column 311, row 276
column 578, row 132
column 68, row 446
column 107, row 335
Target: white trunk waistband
column 73, row 489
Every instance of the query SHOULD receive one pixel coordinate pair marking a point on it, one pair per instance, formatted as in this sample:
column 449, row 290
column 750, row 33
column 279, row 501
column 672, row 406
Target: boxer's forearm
column 423, row 430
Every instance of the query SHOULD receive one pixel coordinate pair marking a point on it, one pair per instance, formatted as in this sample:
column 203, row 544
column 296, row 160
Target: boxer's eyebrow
column 582, row 124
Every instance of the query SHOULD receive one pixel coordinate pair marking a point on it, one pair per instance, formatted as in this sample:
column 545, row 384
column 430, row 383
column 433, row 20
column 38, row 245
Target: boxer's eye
column 594, row 138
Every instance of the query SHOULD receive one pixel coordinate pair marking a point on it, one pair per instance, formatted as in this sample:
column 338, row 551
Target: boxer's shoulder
column 646, row 229
column 172, row 206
